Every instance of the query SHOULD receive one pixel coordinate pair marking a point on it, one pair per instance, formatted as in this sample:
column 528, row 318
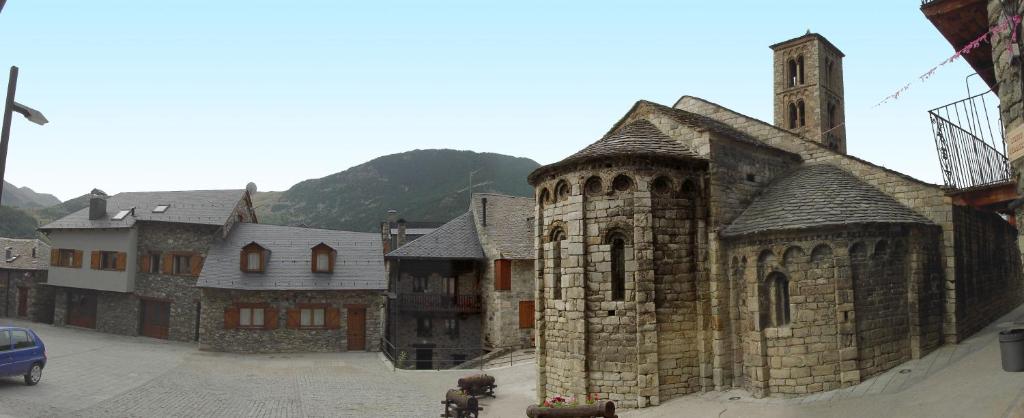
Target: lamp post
column 11, row 106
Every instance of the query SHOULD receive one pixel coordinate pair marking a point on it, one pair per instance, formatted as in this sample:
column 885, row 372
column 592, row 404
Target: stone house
column 22, row 272
column 464, row 289
column 693, row 248
column 270, row 288
column 128, row 263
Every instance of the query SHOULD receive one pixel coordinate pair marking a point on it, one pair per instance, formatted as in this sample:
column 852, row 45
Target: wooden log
column 604, row 409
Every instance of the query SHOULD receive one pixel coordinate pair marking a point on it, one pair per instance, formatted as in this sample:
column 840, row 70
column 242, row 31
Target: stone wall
column 588, row 342
column 927, row 199
column 501, row 307
column 40, row 298
column 988, row 272
column 403, row 319
column 855, row 301
column 213, row 336
column 116, row 313
column 180, row 291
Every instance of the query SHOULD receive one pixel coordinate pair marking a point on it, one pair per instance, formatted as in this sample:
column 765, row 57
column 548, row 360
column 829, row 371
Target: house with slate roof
column 22, row 271
column 693, row 248
column 128, row 263
column 269, row 288
column 464, row 289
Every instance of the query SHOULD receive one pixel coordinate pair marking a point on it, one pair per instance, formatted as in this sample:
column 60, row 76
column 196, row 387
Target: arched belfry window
column 777, row 287
column 792, row 116
column 791, row 73
column 800, row 111
column 557, row 236
column 800, row 69
column 831, row 115
column 618, row 255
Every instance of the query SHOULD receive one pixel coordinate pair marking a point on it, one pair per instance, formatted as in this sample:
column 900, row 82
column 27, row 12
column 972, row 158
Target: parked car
column 22, row 353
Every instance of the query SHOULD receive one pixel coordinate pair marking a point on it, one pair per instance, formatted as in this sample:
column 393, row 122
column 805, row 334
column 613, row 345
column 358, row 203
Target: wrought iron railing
column 971, row 151
column 464, row 358
column 438, row 302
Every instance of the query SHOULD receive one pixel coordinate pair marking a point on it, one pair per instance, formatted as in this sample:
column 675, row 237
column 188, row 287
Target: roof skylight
column 121, row 215
column 161, row 208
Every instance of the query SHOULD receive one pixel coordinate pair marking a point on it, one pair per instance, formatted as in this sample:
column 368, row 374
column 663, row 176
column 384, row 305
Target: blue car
column 22, row 353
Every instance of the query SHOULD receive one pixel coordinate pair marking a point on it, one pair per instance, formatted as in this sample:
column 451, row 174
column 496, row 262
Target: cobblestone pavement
column 97, row 375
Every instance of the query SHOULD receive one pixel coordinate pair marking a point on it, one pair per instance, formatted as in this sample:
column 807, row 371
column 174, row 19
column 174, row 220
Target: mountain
column 422, row 185
column 26, row 198
column 17, row 223
column 52, row 213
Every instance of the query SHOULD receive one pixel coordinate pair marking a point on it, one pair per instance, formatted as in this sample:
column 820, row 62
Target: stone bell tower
column 809, row 89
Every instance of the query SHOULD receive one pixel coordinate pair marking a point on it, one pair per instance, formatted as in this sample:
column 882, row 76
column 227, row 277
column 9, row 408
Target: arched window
column 593, row 186
column 622, row 183
column 562, row 191
column 792, row 73
column 778, row 299
column 661, row 186
column 800, row 69
column 618, row 267
column 543, row 197
column 557, row 235
column 800, row 110
column 792, row 116
column 831, row 115
column 828, row 72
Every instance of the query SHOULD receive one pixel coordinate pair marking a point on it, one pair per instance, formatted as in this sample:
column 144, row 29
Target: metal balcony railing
column 971, row 151
column 438, row 302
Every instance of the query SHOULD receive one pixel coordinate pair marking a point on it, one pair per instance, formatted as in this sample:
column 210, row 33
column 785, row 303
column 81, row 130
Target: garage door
column 82, row 310
column 156, row 318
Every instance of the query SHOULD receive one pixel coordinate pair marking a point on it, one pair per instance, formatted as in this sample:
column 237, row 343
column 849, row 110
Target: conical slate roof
column 455, row 240
column 819, row 195
column 639, row 138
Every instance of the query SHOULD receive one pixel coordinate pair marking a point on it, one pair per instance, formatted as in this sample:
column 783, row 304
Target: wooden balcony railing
column 438, row 302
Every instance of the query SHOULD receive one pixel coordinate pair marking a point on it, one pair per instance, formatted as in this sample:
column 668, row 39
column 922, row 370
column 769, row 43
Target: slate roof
column 819, row 195
column 358, row 265
column 639, row 138
column 509, row 229
column 202, row 207
column 21, row 254
column 454, row 240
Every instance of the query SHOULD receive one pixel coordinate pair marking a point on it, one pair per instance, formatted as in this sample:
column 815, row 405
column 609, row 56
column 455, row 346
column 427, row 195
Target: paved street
column 98, row 375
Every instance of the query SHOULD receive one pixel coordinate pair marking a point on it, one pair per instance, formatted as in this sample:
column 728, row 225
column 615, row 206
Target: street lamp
column 11, row 106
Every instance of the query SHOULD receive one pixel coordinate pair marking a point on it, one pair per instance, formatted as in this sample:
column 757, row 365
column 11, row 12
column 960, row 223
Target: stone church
column 693, row 248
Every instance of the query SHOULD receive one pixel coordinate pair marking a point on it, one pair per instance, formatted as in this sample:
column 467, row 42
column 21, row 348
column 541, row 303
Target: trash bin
column 1011, row 347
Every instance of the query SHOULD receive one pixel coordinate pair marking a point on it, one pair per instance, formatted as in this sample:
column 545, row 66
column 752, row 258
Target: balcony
column 438, row 302
column 970, row 145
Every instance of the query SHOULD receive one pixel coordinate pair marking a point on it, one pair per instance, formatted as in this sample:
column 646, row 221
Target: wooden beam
column 987, row 196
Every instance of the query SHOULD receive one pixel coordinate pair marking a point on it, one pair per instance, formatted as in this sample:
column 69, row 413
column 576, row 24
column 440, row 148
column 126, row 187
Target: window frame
column 247, row 251
column 451, row 328
column 617, row 248
column 312, row 308
column 318, row 250
column 252, row 308
column 10, row 341
column 108, row 257
column 424, row 327
column 155, row 261
column 65, row 257
column 28, row 338
column 175, row 270
column 420, row 284
column 503, row 274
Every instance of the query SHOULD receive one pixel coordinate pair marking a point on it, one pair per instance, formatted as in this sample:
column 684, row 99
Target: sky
column 159, row 95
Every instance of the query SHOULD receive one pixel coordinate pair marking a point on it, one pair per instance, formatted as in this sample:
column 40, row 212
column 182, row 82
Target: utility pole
column 2, row 3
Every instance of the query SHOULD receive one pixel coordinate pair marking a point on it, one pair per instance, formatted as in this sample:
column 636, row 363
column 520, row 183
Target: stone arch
column 661, row 186
column 822, row 253
column 800, row 110
column 543, row 197
column 622, row 183
column 792, row 116
column 688, row 188
column 775, row 294
column 593, row 186
column 617, row 241
column 792, row 257
column 791, row 72
column 555, row 236
column 618, row 231
column 881, row 250
column 562, row 190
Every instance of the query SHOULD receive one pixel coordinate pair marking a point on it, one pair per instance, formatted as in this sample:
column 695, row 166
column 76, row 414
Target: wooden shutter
column 263, row 260
column 94, row 260
column 144, row 263
column 76, row 260
column 313, row 265
column 231, row 317
column 168, row 264
column 54, row 257
column 270, row 318
column 502, row 275
column 243, row 262
column 330, row 258
column 525, row 314
column 293, row 318
column 332, row 318
column 196, row 263
column 122, row 261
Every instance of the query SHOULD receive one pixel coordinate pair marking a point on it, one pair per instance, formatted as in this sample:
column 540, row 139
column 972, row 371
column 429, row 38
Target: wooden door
column 356, row 328
column 424, row 358
column 82, row 310
column 156, row 318
column 22, row 302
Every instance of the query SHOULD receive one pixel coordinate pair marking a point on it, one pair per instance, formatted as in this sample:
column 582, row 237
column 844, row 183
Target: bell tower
column 809, row 89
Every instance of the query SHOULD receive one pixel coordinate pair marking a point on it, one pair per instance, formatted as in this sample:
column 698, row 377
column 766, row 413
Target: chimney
column 97, row 204
column 392, row 216
column 483, row 209
column 401, row 232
